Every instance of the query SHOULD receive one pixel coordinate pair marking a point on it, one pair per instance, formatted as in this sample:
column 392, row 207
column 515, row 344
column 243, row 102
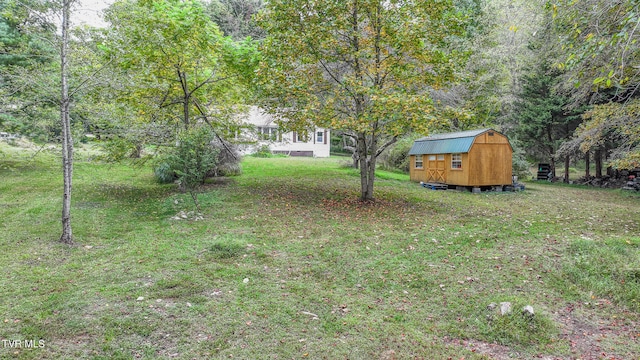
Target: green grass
column 328, row 277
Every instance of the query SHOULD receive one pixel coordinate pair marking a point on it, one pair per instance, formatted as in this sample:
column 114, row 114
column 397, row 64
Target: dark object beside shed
column 543, row 171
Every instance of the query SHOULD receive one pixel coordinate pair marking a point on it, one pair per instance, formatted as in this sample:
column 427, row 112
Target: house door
column 435, row 169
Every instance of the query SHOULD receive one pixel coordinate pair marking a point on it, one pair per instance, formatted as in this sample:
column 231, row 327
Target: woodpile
column 630, row 182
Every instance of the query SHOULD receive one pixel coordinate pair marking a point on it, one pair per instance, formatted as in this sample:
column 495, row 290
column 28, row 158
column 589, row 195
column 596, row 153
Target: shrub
column 263, row 152
column 397, row 157
column 228, row 161
column 194, row 157
column 520, row 166
column 164, row 173
column 199, row 155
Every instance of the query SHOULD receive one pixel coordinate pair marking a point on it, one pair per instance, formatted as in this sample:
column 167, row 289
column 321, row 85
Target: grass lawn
column 287, row 264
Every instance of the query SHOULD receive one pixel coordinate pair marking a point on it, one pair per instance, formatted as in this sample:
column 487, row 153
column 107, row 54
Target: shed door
column 435, row 169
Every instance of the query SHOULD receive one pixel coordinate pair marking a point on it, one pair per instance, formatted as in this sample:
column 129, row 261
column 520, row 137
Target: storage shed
column 475, row 158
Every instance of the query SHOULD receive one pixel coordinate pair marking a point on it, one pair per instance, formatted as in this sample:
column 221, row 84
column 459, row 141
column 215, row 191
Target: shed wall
column 490, row 164
column 458, row 177
column 487, row 163
column 417, row 175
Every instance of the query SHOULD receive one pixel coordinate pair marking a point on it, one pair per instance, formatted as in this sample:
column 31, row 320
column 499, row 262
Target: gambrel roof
column 449, row 143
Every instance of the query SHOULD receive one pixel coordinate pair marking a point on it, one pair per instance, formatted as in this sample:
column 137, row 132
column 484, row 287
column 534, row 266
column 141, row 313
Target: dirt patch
column 593, row 337
column 589, row 335
column 493, row 351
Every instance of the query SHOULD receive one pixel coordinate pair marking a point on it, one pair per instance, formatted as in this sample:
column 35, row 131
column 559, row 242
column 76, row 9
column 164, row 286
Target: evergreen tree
column 543, row 122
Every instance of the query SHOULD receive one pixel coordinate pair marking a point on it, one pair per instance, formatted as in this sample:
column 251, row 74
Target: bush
column 229, row 157
column 194, row 157
column 520, row 166
column 397, row 157
column 164, row 173
column 263, row 152
column 199, row 155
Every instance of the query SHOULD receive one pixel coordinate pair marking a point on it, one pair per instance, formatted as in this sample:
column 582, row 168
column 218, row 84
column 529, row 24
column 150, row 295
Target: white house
column 265, row 131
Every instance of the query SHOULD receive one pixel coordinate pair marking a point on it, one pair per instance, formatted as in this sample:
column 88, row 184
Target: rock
column 492, row 306
column 140, row 298
column 246, row 280
column 505, row 308
column 528, row 311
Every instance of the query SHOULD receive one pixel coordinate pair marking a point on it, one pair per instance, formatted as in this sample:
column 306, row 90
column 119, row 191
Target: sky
column 89, row 12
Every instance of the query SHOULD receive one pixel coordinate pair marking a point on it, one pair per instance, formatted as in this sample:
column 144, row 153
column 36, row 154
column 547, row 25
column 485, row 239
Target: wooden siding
column 490, row 165
column 496, row 138
column 487, row 163
column 458, row 176
column 420, row 174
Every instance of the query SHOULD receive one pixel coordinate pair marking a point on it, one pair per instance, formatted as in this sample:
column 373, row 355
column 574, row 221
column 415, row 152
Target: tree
column 193, row 159
column 612, row 125
column 235, row 18
column 37, row 12
column 176, row 68
column 19, row 44
column 600, row 41
column 27, row 45
column 67, row 140
column 600, row 38
column 41, row 79
column 365, row 67
column 543, row 122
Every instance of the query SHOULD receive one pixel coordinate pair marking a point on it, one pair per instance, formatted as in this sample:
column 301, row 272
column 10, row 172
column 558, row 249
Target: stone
column 505, row 308
column 492, row 306
column 528, row 311
column 140, row 298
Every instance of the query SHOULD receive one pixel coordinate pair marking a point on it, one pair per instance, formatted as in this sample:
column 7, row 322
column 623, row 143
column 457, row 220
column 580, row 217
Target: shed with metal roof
column 475, row 158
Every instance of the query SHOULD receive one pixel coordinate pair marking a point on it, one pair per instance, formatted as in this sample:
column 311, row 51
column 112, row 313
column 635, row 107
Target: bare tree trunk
column 67, row 141
column 598, row 159
column 367, row 164
column 587, row 164
column 566, row 169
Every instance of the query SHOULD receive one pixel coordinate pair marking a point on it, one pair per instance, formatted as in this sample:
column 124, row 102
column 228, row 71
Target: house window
column 319, row 137
column 432, row 157
column 301, row 137
column 268, row 133
column 441, row 157
column 418, row 162
column 456, row 161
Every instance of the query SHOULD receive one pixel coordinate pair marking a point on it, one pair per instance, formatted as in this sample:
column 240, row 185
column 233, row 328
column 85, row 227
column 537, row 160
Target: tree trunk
column 587, row 164
column 185, row 109
column 366, row 161
column 598, row 160
column 67, row 142
column 566, row 169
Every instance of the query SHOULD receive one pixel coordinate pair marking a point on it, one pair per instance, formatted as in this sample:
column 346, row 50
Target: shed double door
column 435, row 169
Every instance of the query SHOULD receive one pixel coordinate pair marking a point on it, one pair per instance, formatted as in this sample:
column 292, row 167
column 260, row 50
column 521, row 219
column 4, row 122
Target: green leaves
column 174, row 61
column 365, row 67
column 601, row 43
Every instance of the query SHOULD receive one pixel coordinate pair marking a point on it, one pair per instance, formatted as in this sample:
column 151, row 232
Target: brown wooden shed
column 474, row 158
